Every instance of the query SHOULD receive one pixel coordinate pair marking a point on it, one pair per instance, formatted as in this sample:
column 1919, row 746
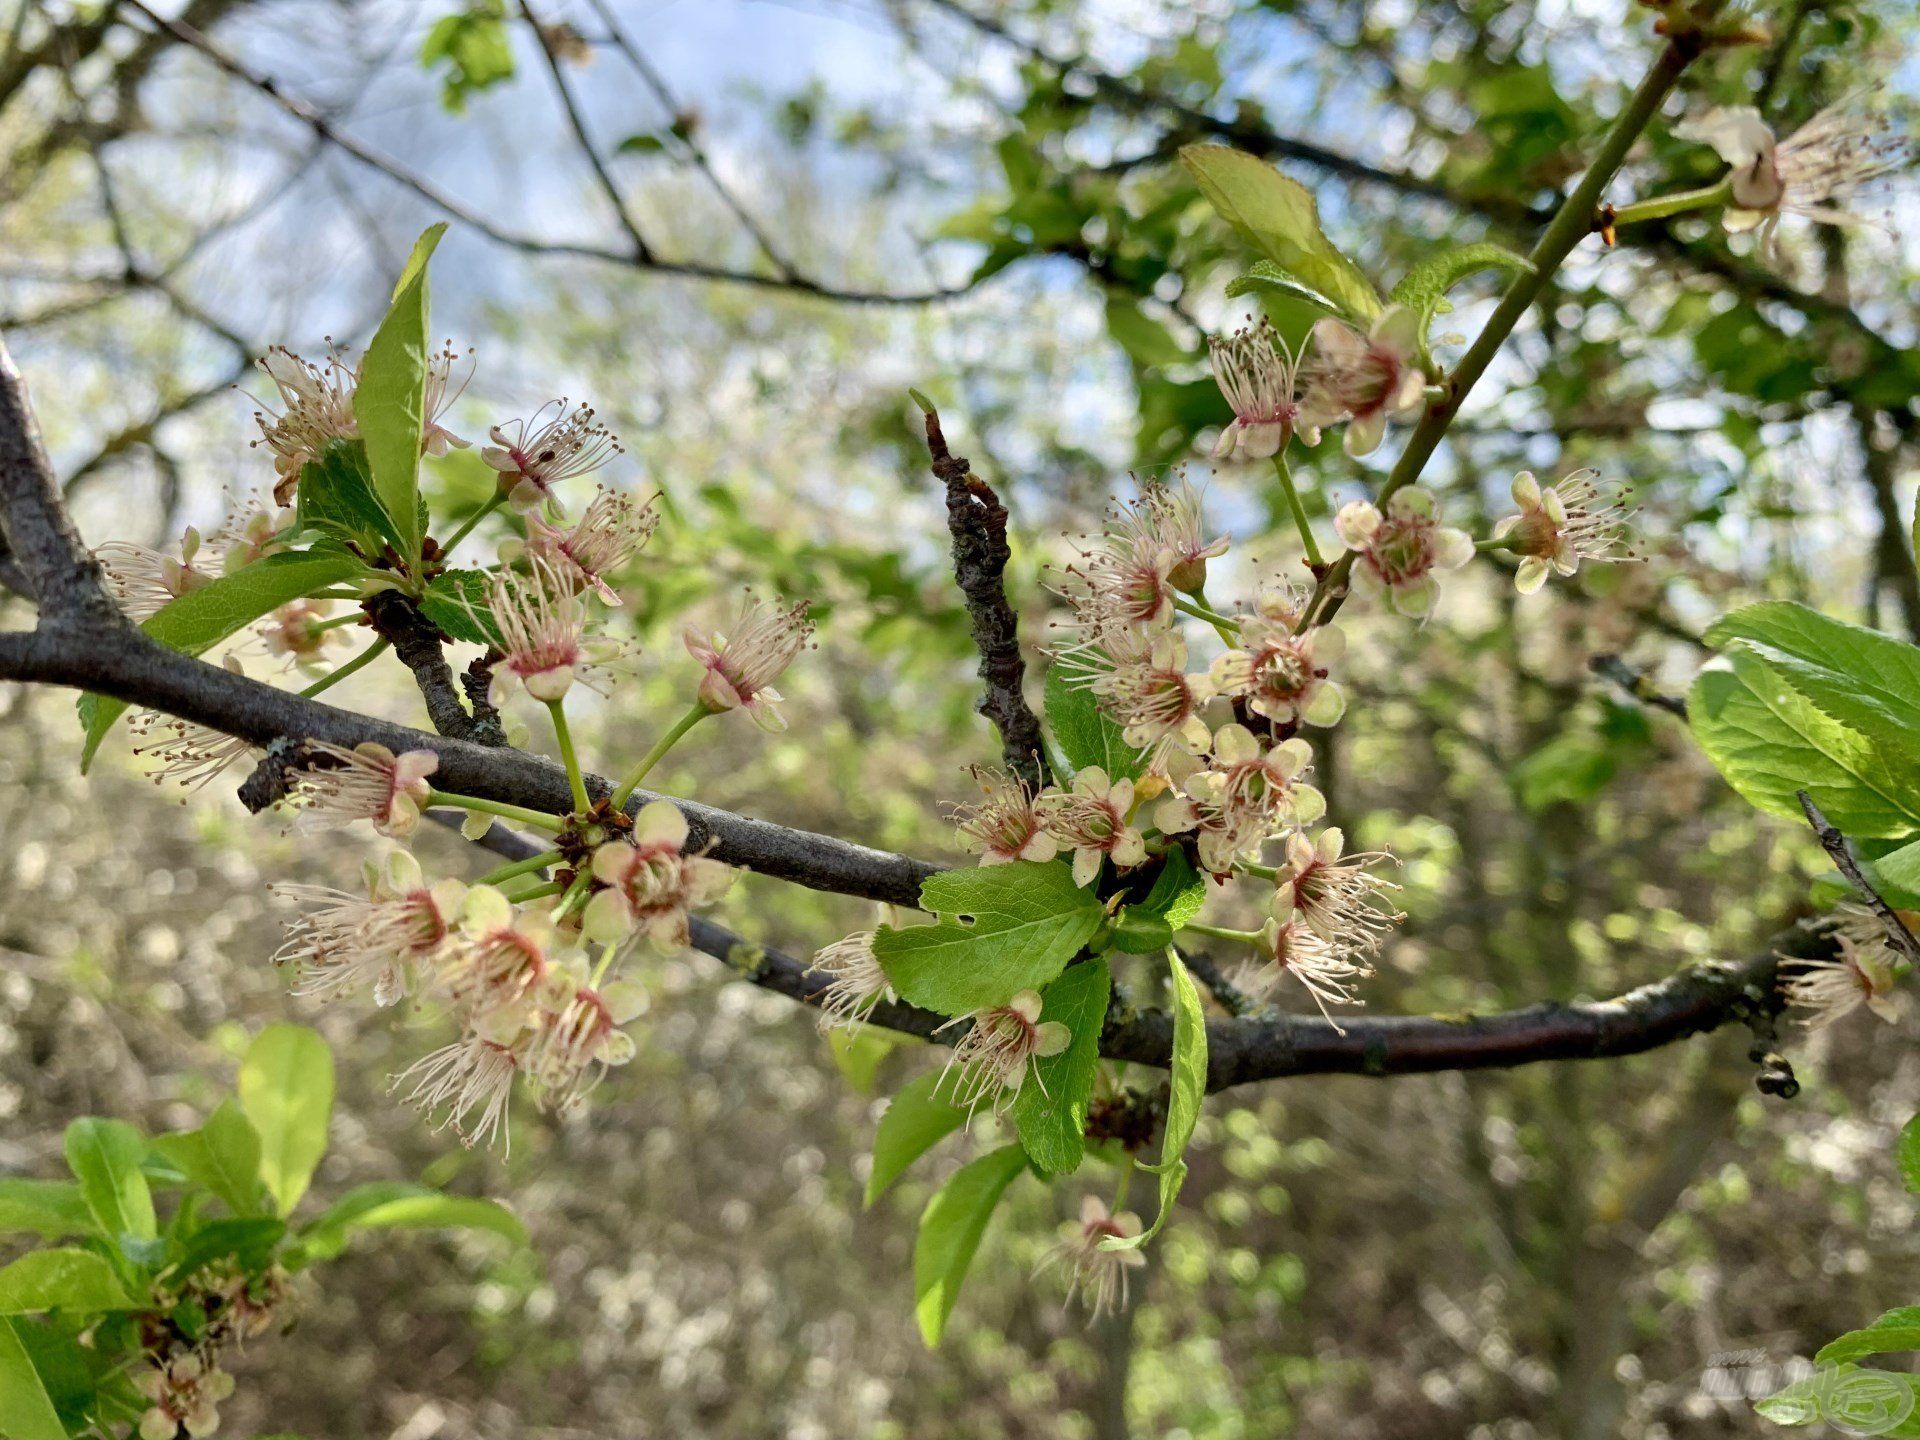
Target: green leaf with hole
column 1050, row 1111
column 51, row 1209
column 950, row 1231
column 1187, row 1094
column 1277, row 216
column 919, row 1116
column 1001, row 929
column 203, row 617
column 223, row 1156
column 26, row 1407
column 105, row 1157
column 64, row 1278
column 390, row 400
column 286, row 1090
column 1084, row 735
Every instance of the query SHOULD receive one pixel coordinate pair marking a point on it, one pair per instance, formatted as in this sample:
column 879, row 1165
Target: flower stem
column 519, row 867
column 467, row 525
column 1223, row 625
column 575, row 781
column 361, row 661
column 661, row 746
column 539, row 819
column 1678, row 203
column 550, row 887
column 1249, row 867
column 1299, row 511
column 337, row 621
column 600, row 969
column 1219, row 932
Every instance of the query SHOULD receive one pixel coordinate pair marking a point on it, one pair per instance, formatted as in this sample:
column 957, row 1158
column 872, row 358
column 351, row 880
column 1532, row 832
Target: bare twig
column 418, row 643
column 978, row 523
column 1635, row 685
column 1835, row 844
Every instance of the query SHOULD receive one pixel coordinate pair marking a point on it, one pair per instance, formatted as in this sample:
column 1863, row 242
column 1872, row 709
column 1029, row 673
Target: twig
column 978, row 523
column 418, row 642
column 1635, row 685
column 1835, row 844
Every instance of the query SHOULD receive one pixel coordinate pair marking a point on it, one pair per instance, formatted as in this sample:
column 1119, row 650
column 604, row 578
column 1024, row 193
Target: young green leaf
column 1769, row 741
column 1895, row 1331
column 1188, row 1093
column 251, row 1242
column 336, row 497
column 917, row 1118
column 1178, row 892
column 1423, row 289
column 1083, row 733
column 202, row 618
column 223, row 1155
column 1907, row 1152
column 386, row 1205
column 1277, row 216
column 51, row 1209
column 1051, row 1109
column 26, row 1409
column 390, row 400
column 950, row 1231
column 456, row 601
column 471, row 49
column 105, row 1157
column 65, row 1278
column 1002, row 929
column 286, row 1090
column 857, row 1054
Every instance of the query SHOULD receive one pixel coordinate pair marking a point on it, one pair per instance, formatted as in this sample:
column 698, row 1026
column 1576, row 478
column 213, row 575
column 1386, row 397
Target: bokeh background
column 1566, row 1250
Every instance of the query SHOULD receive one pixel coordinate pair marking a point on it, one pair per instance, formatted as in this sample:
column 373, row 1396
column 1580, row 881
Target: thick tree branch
column 978, row 523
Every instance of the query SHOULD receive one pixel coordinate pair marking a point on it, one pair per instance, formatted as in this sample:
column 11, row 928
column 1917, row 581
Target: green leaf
column 950, row 1231
column 1145, row 339
column 336, row 496
column 857, row 1054
column 50, row 1209
column 389, row 402
column 1002, row 929
column 471, row 49
column 388, row 1205
column 223, row 1156
column 61, row 1279
column 1178, row 893
column 1907, row 1153
column 1897, row 1330
column 1083, row 733
column 456, row 601
column 1188, row 1093
column 105, row 1157
column 1769, row 741
column 1566, row 770
column 26, row 1409
column 1139, row 932
column 1277, row 216
column 917, row 1118
column 1051, row 1110
column 286, row 1089
column 204, row 617
column 249, row 1241
column 1423, row 289
column 1266, row 279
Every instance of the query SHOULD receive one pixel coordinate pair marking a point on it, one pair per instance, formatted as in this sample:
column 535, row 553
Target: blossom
column 185, row 1390
column 1091, row 821
column 1121, row 590
column 1307, row 957
column 316, row 409
column 857, row 981
column 1243, row 794
column 1333, row 893
column 1558, row 528
column 368, row 782
column 651, row 883
column 441, row 391
column 1257, row 374
column 1366, row 380
column 1399, row 551
column 296, row 631
column 472, row 1079
column 249, row 534
column 1282, row 675
column 609, row 534
column 574, row 1046
column 1813, row 172
column 542, row 630
column 503, row 965
column 382, row 938
column 996, row 1052
column 1151, row 697
column 1829, row 989
column 144, row 581
column 1003, row 826
column 191, row 754
column 742, row 664
column 1098, row 1274
column 554, row 444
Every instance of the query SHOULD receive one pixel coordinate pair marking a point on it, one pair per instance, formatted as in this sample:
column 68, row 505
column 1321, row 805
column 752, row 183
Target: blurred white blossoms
column 1091, row 820
column 1258, row 374
column 1400, row 551
column 368, row 782
column 555, row 444
column 610, row 532
column 652, row 882
column 1365, row 380
column 299, row 632
column 1813, row 172
column 998, row 1050
column 742, row 664
column 1098, row 1275
column 1558, row 528
column 385, row 940
column 184, row 1392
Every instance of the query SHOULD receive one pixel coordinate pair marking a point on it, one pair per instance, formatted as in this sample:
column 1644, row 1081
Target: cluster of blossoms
column 1864, row 973
column 182, row 1380
column 1338, row 376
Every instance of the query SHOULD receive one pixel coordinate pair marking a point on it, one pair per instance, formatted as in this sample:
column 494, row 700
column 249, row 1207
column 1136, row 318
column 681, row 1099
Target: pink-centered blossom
column 574, row 1045
column 1294, row 951
column 996, row 1054
column 143, row 581
column 368, row 782
column 1365, row 380
column 1003, row 825
column 650, row 882
column 504, row 965
column 1400, row 551
column 1338, row 896
column 553, row 445
column 609, row 533
column 1832, row 989
column 542, row 628
column 1244, row 793
column 315, row 408
column 1281, row 675
column 1098, row 1275
column 384, row 939
column 1557, row 528
column 742, row 664
column 471, row 1083
column 1258, row 375
column 856, row 983
column 1091, row 820
column 1149, row 695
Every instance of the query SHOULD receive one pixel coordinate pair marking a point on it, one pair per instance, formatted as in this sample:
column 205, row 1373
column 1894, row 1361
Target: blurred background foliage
column 1560, row 1251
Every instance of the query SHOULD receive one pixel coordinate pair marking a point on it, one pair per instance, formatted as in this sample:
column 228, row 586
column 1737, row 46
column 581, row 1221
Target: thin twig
column 1835, row 844
column 1635, row 685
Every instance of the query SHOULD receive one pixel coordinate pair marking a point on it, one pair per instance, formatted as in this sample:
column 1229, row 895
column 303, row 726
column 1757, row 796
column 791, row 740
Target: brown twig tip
column 1835, row 844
